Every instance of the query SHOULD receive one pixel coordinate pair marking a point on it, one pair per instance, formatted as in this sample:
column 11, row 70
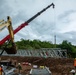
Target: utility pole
column 55, row 41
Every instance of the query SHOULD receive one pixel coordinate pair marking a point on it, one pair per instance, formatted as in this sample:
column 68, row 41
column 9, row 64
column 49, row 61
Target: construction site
column 56, row 66
column 44, row 61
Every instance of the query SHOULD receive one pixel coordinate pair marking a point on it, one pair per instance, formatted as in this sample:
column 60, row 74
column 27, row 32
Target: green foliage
column 33, row 44
column 66, row 45
column 71, row 50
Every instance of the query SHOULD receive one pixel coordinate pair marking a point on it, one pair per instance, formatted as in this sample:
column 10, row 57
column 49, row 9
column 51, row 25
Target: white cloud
column 59, row 21
column 67, row 23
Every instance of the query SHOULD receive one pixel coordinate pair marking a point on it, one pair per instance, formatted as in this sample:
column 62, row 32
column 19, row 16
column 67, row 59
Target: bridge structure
column 43, row 52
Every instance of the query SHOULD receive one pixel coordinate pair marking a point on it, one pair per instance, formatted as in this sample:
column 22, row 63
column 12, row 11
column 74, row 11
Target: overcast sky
column 60, row 21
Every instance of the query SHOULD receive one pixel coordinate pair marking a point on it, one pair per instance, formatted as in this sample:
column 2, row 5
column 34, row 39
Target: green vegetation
column 71, row 49
column 37, row 44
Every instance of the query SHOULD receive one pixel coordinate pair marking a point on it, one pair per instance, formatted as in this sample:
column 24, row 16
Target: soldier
column 75, row 63
column 19, row 67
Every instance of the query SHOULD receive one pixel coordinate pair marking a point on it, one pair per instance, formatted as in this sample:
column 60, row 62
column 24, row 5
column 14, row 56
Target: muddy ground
column 58, row 66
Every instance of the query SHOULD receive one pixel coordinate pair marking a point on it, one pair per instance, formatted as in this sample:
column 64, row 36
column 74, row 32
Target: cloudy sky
column 60, row 21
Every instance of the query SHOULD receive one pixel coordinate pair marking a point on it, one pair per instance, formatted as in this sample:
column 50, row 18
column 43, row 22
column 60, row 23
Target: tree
column 67, row 45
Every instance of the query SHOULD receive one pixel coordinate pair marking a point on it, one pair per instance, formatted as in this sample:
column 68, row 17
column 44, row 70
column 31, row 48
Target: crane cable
column 55, row 21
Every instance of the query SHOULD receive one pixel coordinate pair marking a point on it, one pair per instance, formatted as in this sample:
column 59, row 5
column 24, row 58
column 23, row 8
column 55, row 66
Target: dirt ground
column 58, row 66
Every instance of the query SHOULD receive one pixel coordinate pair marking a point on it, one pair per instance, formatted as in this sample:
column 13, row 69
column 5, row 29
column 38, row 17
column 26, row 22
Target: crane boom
column 25, row 24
